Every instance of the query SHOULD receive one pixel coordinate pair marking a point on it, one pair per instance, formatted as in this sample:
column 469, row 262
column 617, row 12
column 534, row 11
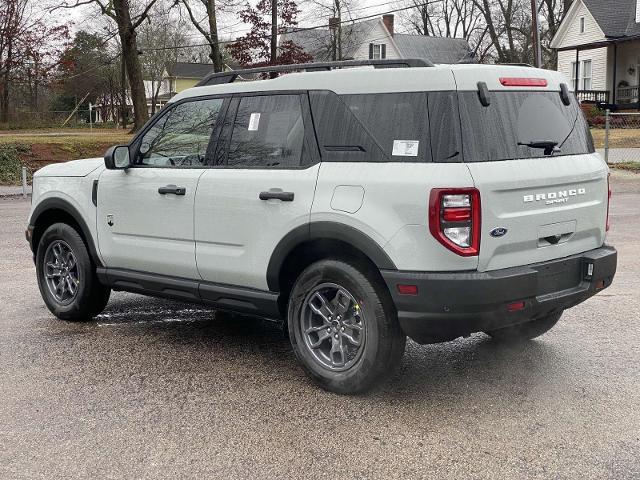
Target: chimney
column 388, row 22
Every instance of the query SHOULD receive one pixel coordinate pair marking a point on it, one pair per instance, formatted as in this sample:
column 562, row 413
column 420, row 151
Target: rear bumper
column 451, row 304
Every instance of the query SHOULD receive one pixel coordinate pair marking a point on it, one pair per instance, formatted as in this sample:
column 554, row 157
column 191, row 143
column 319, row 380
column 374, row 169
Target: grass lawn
column 629, row 166
column 37, row 148
column 618, row 138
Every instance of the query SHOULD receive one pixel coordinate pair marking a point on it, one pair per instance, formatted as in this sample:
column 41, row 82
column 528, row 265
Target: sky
column 84, row 17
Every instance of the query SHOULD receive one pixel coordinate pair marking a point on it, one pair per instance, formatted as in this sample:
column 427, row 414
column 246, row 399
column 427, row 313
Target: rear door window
column 268, row 132
column 519, row 125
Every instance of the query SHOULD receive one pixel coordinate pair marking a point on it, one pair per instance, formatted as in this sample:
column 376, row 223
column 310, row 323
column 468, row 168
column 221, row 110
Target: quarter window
column 399, row 123
column 181, row 136
column 268, row 132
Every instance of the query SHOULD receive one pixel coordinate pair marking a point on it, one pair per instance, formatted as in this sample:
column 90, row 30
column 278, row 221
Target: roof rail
column 515, row 65
column 232, row 75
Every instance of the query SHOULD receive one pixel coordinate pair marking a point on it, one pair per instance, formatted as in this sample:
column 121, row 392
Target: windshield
column 518, row 125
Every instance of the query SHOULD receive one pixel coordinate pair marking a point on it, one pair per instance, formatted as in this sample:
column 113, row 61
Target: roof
column 365, row 80
column 615, row 21
column 435, row 49
column 316, row 42
column 189, row 70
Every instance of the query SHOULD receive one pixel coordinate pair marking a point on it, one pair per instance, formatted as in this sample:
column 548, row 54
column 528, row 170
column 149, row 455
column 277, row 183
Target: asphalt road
column 155, row 389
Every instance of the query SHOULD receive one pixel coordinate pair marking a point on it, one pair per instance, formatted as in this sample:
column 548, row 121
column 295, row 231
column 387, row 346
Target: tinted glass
column 446, row 138
column 181, row 136
column 268, row 132
column 399, row 123
column 515, row 122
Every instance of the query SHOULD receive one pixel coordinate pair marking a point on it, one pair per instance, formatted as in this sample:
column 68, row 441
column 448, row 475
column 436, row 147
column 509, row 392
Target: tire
column 526, row 331
column 324, row 334
column 62, row 254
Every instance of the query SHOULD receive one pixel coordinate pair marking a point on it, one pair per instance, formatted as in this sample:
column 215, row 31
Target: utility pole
column 535, row 28
column 274, row 35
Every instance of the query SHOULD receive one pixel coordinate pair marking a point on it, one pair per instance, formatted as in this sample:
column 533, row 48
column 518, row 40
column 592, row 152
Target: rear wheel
column 343, row 327
column 526, row 331
column 66, row 276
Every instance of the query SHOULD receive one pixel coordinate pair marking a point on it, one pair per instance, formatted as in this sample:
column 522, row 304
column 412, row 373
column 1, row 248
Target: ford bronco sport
column 361, row 205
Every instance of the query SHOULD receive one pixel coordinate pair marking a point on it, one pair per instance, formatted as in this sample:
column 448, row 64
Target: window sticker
column 254, row 121
column 405, row 148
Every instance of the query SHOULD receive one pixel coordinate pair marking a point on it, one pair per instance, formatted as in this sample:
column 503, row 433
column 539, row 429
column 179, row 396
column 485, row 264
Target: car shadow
column 467, row 366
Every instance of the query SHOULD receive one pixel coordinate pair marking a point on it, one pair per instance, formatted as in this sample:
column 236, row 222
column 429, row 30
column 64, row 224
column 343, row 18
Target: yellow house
column 183, row 75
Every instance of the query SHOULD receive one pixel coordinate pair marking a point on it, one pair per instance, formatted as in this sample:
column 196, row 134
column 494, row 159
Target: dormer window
column 582, row 23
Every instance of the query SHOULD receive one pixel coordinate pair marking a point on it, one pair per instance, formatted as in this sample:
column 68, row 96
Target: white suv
column 362, row 205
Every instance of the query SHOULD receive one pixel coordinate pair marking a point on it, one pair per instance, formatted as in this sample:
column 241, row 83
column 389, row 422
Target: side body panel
column 73, row 191
column 394, row 209
column 236, row 232
column 140, row 229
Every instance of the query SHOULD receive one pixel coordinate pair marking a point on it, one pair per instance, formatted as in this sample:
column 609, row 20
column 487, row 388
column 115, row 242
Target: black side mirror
column 117, row 158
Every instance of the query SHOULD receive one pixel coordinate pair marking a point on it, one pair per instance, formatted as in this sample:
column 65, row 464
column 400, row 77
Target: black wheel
column 526, row 331
column 343, row 327
column 67, row 277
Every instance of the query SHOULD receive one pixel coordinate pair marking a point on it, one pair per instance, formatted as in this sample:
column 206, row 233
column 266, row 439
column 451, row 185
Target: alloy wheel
column 333, row 326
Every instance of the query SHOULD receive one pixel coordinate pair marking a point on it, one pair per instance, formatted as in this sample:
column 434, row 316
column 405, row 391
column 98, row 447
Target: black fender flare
column 63, row 205
column 324, row 231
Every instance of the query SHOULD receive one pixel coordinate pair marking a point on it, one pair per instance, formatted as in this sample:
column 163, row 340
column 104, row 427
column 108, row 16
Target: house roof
column 615, row 21
column 189, row 70
column 317, row 43
column 435, row 49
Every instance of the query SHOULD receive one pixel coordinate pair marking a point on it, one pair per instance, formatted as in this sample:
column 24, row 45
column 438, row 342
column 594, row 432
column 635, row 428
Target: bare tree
column 127, row 21
column 212, row 9
column 160, row 40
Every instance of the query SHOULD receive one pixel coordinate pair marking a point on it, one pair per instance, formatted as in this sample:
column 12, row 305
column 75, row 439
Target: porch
column 617, row 84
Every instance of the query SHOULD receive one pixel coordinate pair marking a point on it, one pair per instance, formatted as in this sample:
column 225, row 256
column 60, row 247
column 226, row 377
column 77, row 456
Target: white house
column 598, row 46
column 377, row 39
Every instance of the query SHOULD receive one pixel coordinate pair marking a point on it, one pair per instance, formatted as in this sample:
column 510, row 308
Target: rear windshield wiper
column 550, row 147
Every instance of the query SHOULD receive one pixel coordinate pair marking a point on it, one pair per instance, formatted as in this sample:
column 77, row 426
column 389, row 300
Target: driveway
column 156, row 389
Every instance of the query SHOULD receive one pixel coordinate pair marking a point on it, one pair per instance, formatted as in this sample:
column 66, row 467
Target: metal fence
column 622, row 137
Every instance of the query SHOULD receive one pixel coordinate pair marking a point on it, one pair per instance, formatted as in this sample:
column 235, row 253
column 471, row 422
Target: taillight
column 608, row 200
column 454, row 219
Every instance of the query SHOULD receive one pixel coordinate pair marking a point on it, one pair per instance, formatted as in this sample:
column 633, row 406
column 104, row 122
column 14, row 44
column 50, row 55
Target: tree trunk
column 216, row 54
column 274, row 32
column 132, row 62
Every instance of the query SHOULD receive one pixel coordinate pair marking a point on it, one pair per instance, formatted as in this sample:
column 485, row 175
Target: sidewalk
column 12, row 191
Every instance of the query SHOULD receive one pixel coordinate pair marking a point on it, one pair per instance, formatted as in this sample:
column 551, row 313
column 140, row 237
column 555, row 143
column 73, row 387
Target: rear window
column 519, row 125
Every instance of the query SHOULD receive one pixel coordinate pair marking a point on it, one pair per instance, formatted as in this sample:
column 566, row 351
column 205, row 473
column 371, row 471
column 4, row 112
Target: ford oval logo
column 498, row 232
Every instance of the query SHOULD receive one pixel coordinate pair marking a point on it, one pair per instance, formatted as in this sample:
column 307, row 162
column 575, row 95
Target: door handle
column 172, row 189
column 277, row 195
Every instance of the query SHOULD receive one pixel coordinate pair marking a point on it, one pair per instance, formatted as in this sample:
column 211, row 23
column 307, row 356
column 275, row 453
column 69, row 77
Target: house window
column 377, row 51
column 581, row 24
column 586, row 74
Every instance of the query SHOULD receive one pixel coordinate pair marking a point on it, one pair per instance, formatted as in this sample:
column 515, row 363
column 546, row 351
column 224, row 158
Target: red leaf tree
column 253, row 49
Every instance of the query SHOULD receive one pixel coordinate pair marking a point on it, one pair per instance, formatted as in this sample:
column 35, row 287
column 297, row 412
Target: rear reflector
column 457, row 214
column 523, row 82
column 599, row 284
column 407, row 289
column 515, row 306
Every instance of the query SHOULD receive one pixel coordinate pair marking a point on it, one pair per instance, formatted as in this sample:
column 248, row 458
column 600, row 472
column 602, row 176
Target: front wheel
column 343, row 327
column 526, row 331
column 66, row 276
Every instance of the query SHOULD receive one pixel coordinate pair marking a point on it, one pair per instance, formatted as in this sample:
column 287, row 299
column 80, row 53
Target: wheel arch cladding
column 54, row 210
column 317, row 234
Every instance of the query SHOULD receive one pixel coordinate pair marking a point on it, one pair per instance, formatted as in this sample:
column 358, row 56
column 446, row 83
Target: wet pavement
column 157, row 389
